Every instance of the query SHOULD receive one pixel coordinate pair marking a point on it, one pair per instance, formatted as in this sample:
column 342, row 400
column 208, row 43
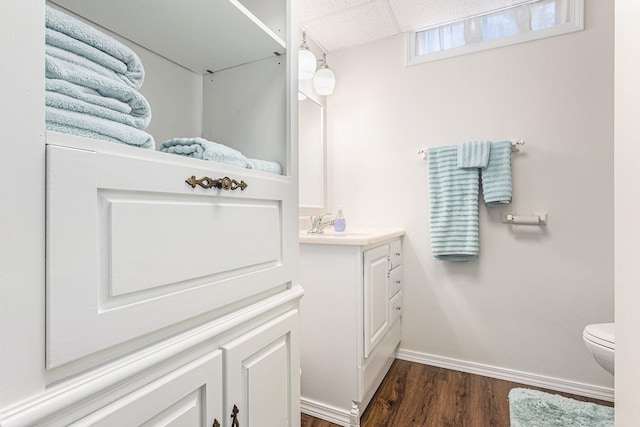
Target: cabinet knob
column 397, row 253
column 398, row 308
column 234, row 417
column 216, row 423
column 398, row 282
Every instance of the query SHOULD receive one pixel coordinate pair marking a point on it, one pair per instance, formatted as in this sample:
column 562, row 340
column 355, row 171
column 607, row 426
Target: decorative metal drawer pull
column 225, row 183
column 216, row 423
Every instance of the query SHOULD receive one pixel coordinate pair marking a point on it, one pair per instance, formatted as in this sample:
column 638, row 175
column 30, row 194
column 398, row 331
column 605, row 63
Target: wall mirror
column 312, row 156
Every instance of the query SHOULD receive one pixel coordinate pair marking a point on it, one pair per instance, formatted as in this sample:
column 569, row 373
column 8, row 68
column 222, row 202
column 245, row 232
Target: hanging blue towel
column 453, row 206
column 473, row 154
column 496, row 177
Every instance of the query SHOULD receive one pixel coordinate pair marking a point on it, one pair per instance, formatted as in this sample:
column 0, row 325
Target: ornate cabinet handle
column 234, row 417
column 225, row 183
column 216, row 423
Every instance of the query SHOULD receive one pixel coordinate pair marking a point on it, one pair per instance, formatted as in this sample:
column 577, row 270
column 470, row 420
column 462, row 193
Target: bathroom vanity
column 350, row 319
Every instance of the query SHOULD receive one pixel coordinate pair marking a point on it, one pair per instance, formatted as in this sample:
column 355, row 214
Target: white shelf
column 221, row 34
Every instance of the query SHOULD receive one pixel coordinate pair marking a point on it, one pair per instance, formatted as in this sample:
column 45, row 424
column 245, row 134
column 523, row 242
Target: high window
column 514, row 24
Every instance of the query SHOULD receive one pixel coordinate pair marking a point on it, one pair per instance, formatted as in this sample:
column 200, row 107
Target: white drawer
column 395, row 281
column 395, row 307
column 395, row 253
column 132, row 248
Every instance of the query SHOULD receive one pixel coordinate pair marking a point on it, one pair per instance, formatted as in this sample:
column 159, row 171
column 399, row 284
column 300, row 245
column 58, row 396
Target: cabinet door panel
column 132, row 248
column 190, row 396
column 261, row 368
column 376, row 313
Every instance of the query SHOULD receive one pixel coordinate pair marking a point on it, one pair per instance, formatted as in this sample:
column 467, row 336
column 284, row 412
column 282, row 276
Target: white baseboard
column 595, row 392
column 324, row 412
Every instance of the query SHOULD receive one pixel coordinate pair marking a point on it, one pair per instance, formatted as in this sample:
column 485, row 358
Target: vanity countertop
column 354, row 237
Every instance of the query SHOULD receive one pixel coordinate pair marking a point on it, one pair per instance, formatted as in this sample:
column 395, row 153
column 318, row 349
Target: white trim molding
column 557, row 384
column 325, row 412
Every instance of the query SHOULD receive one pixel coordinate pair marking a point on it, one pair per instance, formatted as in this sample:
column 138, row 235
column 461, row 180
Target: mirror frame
column 309, row 210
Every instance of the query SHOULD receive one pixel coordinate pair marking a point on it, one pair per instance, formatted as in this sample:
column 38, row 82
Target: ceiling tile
column 313, row 9
column 418, row 14
column 353, row 26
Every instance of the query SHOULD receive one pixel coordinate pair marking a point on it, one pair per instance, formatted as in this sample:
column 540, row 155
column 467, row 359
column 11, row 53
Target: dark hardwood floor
column 416, row 395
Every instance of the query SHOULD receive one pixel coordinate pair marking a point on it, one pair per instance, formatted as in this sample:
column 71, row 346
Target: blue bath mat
column 532, row 408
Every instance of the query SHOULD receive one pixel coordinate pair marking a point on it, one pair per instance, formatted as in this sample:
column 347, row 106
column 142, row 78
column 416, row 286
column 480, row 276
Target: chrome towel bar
column 515, row 144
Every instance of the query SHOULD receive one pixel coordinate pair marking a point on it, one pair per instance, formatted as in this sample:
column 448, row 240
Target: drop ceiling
column 341, row 24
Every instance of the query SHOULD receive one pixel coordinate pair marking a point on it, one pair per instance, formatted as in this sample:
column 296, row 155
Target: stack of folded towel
column 454, row 181
column 203, row 149
column 92, row 83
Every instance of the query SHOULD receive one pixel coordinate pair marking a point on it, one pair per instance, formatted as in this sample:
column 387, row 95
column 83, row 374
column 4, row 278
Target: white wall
column 627, row 209
column 245, row 108
column 524, row 303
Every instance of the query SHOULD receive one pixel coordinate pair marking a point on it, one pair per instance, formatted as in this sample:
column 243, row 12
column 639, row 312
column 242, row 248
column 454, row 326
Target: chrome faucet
column 317, row 226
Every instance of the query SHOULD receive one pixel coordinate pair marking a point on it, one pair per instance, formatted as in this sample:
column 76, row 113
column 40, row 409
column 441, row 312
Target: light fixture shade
column 306, row 64
column 324, row 81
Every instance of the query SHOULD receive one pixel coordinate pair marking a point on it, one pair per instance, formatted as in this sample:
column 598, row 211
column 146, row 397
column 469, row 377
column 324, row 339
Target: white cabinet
column 350, row 321
column 244, row 367
column 376, row 313
column 261, row 377
column 188, row 396
column 133, row 249
column 163, row 303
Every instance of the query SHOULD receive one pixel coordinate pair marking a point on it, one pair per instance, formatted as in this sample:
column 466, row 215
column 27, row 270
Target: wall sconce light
column 306, row 60
column 324, row 81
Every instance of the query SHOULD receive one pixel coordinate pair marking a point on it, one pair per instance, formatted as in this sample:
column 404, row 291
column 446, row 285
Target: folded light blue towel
column 265, row 166
column 203, row 149
column 64, row 102
column 496, row 177
column 90, row 126
column 85, row 94
column 70, row 34
column 58, row 69
column 82, row 62
column 453, row 206
column 473, row 154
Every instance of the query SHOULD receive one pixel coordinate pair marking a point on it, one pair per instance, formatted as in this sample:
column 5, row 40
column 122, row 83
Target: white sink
column 360, row 237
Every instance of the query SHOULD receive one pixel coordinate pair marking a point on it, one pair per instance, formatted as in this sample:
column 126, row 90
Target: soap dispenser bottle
column 339, row 224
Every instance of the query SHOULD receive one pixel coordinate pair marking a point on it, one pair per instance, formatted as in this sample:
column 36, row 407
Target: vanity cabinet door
column 262, row 371
column 376, row 313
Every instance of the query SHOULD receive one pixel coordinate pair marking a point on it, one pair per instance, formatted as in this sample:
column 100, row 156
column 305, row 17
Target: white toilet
column 601, row 341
